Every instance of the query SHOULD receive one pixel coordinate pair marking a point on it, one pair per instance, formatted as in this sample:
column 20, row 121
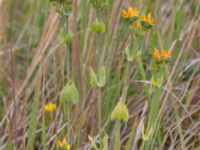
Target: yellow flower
column 157, row 54
column 64, row 144
column 68, row 147
column 137, row 26
column 132, row 12
column 150, row 20
column 124, row 14
column 166, row 54
column 147, row 20
column 50, row 107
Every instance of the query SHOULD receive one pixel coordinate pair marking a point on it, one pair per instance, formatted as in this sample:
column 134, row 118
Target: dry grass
column 34, row 70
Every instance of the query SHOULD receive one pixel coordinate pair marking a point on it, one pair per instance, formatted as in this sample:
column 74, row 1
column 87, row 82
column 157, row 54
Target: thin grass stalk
column 99, row 90
column 44, row 132
column 131, row 136
column 9, row 144
column 33, row 119
column 12, row 124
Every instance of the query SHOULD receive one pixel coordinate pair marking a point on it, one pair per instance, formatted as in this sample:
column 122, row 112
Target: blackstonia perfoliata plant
column 99, row 75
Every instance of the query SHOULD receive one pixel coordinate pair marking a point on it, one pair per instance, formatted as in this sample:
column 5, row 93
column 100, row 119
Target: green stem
column 9, row 145
column 154, row 107
column 117, row 145
column 99, row 110
column 68, row 63
column 99, row 52
column 142, row 73
column 98, row 68
column 99, row 90
column 68, row 107
column 126, row 78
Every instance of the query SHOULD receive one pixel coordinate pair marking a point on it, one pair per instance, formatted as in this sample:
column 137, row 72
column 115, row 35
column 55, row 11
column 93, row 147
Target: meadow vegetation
column 99, row 74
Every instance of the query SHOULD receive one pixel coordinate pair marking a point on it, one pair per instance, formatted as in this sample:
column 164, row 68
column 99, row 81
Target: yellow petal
column 50, row 107
column 124, row 14
column 68, row 147
column 157, row 55
column 132, row 12
column 137, row 26
column 59, row 144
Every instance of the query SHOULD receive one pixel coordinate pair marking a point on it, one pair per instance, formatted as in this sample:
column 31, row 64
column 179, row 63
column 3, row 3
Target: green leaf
column 69, row 94
column 101, row 81
column 102, row 77
column 69, row 38
column 157, row 82
column 120, row 112
column 128, row 54
column 93, row 78
column 65, row 37
column 98, row 26
column 132, row 54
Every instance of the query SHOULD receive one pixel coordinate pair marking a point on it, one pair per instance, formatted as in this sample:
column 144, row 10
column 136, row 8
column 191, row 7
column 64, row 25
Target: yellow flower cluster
column 51, row 107
column 163, row 55
column 147, row 20
column 131, row 13
column 63, row 144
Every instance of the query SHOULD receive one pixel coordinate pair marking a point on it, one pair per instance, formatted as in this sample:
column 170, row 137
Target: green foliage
column 120, row 112
column 101, row 80
column 98, row 26
column 104, row 140
column 99, row 4
column 124, row 48
column 69, row 94
column 65, row 38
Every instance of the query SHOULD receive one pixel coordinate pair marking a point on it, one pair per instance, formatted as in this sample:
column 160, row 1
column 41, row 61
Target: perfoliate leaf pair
column 120, row 112
column 101, row 80
column 128, row 54
column 65, row 38
column 69, row 94
column 104, row 140
column 98, row 26
column 157, row 82
column 131, row 55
